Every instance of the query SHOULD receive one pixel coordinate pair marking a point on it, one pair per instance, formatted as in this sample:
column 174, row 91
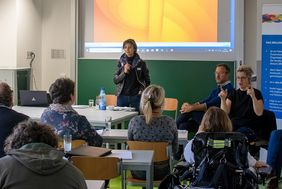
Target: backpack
column 220, row 160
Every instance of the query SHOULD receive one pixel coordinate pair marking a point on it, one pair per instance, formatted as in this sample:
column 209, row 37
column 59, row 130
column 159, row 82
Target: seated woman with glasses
column 152, row 126
column 244, row 105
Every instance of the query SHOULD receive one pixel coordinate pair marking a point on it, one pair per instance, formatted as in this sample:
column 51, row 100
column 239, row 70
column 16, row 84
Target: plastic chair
column 97, row 168
column 111, row 100
column 162, row 151
column 171, row 104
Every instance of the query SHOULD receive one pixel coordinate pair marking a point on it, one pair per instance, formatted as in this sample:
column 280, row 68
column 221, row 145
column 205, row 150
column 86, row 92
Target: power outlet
column 29, row 55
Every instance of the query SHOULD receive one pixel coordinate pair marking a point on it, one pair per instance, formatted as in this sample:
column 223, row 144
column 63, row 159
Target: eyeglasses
column 241, row 78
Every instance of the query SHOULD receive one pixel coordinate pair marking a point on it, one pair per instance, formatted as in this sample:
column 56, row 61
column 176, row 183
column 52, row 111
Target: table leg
column 123, row 177
column 149, row 177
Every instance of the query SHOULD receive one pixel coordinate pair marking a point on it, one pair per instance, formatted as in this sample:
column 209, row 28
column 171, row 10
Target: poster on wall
column 272, row 58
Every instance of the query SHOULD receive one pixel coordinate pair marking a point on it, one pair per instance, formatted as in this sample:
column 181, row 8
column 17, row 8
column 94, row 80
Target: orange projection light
column 155, row 20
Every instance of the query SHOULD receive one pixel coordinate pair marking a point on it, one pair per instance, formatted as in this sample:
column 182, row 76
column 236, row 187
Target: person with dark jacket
column 131, row 76
column 8, row 117
column 33, row 161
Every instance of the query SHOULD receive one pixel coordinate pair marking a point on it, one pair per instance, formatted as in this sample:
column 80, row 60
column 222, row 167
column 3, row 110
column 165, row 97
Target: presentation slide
column 271, row 69
column 163, row 29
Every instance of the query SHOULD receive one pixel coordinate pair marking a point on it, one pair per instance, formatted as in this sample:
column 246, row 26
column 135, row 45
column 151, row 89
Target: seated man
column 8, row 117
column 191, row 114
column 32, row 160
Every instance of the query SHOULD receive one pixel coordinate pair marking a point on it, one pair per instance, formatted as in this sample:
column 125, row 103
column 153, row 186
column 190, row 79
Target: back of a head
column 152, row 98
column 30, row 132
column 216, row 120
column 6, row 94
column 61, row 90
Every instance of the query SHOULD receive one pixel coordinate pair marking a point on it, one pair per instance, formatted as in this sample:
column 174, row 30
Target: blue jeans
column 129, row 101
column 274, row 153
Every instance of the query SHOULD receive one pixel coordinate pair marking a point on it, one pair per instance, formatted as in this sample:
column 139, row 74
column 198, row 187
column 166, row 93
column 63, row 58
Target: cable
column 32, row 54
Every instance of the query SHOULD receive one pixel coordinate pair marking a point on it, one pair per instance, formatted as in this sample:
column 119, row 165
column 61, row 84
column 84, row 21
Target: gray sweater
column 161, row 129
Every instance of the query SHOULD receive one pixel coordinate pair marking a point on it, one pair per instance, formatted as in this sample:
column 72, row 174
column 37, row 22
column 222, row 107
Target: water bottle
column 102, row 103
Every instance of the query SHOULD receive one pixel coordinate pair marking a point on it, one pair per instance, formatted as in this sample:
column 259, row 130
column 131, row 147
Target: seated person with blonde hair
column 152, row 126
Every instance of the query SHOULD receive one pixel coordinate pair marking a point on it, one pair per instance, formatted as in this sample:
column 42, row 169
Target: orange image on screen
column 155, row 20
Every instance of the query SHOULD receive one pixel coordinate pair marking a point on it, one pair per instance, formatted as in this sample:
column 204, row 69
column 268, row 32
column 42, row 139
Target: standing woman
column 131, row 76
column 153, row 127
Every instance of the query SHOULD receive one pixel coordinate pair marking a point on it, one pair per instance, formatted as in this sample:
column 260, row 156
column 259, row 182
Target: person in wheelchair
column 214, row 121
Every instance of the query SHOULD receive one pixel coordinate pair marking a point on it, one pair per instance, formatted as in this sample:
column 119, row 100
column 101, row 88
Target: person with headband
column 152, row 126
column 131, row 76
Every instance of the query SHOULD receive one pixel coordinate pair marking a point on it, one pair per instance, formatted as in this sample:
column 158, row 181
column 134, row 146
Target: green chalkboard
column 185, row 80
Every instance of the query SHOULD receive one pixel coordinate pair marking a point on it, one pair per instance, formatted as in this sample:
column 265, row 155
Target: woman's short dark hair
column 6, row 94
column 30, row 132
column 61, row 90
column 132, row 42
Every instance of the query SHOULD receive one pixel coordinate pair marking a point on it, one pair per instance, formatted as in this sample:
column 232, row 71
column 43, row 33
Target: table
column 120, row 136
column 142, row 160
column 94, row 116
column 95, row 184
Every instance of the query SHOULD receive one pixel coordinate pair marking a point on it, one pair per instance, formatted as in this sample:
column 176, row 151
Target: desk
column 95, row 117
column 95, row 184
column 141, row 160
column 120, row 136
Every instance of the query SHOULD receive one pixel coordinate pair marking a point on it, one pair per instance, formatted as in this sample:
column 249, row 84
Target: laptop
column 34, row 98
column 90, row 151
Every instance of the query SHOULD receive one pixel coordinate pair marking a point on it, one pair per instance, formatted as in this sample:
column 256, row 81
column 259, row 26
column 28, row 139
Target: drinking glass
column 91, row 103
column 108, row 123
column 67, row 142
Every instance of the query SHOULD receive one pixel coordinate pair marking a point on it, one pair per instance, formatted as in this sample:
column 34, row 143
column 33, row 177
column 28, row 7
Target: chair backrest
column 111, row 100
column 160, row 149
column 171, row 104
column 74, row 143
column 97, row 168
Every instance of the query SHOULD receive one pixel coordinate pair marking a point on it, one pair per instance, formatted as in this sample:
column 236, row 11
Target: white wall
column 29, row 37
column 8, row 33
column 57, row 33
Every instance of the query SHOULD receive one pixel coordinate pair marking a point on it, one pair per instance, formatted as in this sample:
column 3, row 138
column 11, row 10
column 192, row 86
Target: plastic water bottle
column 102, row 103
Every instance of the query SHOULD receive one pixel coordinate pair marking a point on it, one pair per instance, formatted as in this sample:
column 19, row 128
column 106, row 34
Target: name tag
column 138, row 68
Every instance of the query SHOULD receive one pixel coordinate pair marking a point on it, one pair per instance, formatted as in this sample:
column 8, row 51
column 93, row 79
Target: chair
column 268, row 124
column 97, row 168
column 111, row 100
column 171, row 104
column 162, row 151
column 74, row 143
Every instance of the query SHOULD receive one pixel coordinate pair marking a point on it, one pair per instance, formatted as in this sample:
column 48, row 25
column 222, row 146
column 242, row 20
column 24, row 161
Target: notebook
column 34, row 98
column 90, row 151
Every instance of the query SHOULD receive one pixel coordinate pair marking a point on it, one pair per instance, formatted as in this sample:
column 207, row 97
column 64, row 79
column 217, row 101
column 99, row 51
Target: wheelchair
column 221, row 161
